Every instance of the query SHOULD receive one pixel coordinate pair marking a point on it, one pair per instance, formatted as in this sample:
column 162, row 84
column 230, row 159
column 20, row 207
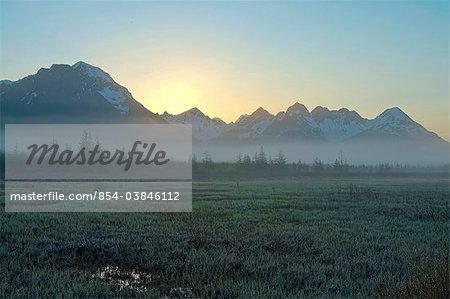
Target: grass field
column 274, row 238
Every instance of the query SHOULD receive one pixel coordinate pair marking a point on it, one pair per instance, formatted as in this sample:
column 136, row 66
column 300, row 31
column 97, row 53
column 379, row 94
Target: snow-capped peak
column 394, row 113
column 92, row 71
column 219, row 120
column 258, row 115
column 193, row 112
column 297, row 109
column 395, row 122
column 203, row 127
column 115, row 94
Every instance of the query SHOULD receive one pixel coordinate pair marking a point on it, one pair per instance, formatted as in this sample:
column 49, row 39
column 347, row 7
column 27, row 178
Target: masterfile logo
column 96, row 155
column 96, row 152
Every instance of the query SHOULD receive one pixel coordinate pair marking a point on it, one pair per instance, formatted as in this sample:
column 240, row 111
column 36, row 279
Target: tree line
column 259, row 165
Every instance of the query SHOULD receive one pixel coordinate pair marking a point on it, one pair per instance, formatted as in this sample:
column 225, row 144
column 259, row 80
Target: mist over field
column 356, row 153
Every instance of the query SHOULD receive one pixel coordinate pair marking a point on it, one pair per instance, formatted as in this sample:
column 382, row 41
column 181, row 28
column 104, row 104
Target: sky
column 229, row 58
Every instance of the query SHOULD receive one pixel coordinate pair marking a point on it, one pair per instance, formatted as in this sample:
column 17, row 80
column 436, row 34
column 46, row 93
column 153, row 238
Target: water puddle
column 125, row 279
column 137, row 281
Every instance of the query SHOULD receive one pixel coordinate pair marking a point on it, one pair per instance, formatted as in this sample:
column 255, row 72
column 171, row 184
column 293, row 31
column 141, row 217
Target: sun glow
column 175, row 97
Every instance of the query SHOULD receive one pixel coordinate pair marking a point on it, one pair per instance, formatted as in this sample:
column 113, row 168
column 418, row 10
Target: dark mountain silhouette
column 80, row 93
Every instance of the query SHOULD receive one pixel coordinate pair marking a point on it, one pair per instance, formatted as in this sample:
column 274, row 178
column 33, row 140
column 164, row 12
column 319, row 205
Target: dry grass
column 431, row 281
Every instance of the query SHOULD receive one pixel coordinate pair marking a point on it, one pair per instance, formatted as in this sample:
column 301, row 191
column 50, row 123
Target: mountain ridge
column 87, row 93
column 392, row 121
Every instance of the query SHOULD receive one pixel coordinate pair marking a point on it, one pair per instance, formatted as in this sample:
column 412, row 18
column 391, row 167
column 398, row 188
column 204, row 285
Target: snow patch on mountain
column 102, row 82
column 115, row 98
column 28, row 99
column 255, row 129
column 336, row 129
column 337, row 125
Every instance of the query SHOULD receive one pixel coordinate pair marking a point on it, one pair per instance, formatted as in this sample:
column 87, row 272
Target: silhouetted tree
column 239, row 158
column 318, row 165
column 340, row 164
column 280, row 159
column 246, row 160
column 207, row 158
column 260, row 158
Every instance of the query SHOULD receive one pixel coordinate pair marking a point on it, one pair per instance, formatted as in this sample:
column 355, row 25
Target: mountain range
column 82, row 93
column 300, row 124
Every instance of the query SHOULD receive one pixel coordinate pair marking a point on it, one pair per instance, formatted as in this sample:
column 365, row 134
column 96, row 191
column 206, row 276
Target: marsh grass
column 431, row 280
column 335, row 238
